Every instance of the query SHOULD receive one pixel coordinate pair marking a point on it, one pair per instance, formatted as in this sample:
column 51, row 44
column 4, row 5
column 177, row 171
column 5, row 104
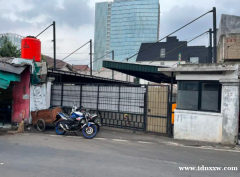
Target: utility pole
column 113, row 60
column 126, row 74
column 54, row 44
column 210, row 46
column 90, row 57
column 214, row 35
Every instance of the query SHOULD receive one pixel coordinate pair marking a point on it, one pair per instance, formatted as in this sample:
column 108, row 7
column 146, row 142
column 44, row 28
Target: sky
column 75, row 22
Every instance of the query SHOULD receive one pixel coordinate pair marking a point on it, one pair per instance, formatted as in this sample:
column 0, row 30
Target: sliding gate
column 138, row 107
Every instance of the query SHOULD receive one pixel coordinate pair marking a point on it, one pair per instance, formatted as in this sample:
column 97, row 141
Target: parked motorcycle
column 77, row 121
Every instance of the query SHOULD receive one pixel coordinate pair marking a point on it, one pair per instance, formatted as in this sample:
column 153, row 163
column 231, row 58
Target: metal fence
column 139, row 107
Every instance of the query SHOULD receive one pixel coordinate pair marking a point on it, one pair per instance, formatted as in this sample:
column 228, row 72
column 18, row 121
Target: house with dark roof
column 172, row 52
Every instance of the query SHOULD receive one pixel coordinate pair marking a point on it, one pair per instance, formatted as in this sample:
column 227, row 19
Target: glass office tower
column 122, row 25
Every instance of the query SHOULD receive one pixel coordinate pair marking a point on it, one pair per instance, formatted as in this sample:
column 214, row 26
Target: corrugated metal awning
column 143, row 71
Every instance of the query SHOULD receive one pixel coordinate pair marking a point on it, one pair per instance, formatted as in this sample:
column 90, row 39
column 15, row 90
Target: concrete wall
column 208, row 76
column 200, row 126
column 40, row 96
column 229, row 24
column 207, row 126
column 166, row 63
column 230, row 110
column 228, row 47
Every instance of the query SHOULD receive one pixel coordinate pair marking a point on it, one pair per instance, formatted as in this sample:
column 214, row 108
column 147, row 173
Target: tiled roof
column 59, row 63
column 81, row 68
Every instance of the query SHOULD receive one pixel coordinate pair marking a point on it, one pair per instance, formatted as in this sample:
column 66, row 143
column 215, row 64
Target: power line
column 44, row 30
column 73, row 52
column 170, row 34
column 96, row 59
column 192, row 55
column 181, row 45
column 104, row 56
column 166, row 36
column 41, row 33
column 66, row 53
column 80, row 60
column 176, row 49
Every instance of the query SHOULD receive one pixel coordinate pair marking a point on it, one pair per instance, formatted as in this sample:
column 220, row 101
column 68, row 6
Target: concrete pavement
column 39, row 155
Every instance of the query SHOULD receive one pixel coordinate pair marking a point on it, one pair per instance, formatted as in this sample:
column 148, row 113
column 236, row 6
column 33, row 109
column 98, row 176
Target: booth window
column 199, row 95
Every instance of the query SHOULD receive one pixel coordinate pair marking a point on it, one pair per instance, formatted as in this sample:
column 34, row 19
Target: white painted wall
column 206, row 126
column 48, row 98
column 166, row 63
column 158, row 63
column 199, row 126
column 225, row 75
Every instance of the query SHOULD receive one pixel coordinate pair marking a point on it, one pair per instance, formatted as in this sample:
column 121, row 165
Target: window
column 199, row 95
column 210, row 96
column 161, row 63
column 162, row 53
column 194, row 60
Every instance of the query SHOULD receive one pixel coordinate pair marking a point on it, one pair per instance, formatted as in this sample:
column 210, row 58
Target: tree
column 7, row 48
column 43, row 58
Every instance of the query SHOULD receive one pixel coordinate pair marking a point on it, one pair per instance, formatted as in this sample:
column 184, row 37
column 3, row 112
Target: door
column 157, row 108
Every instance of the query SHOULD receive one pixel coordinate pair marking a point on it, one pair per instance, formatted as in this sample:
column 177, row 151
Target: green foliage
column 136, row 80
column 8, row 49
column 43, row 58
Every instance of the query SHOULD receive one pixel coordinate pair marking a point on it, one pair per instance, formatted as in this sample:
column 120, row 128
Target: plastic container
column 31, row 48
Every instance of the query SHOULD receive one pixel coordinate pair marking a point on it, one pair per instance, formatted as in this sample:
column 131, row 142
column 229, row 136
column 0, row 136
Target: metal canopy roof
column 71, row 77
column 143, row 71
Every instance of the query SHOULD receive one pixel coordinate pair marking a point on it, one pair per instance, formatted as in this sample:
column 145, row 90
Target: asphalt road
column 40, row 155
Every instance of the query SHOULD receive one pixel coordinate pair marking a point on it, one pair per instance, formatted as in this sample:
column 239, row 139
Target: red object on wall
column 31, row 48
column 21, row 98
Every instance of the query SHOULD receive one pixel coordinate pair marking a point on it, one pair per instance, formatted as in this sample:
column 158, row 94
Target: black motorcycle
column 82, row 120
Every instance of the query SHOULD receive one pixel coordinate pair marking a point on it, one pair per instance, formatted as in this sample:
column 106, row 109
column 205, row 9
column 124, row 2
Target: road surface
column 40, row 155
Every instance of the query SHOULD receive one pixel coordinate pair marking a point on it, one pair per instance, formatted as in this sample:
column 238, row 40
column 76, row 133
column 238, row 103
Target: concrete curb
column 13, row 132
column 122, row 130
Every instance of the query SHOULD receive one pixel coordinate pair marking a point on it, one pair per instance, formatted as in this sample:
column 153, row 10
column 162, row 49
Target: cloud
column 230, row 7
column 179, row 16
column 8, row 25
column 74, row 13
column 75, row 21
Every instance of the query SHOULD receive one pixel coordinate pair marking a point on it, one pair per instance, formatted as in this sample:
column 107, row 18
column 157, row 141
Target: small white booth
column 207, row 102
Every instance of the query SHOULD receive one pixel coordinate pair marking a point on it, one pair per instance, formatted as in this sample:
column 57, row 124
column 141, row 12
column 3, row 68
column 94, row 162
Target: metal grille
column 89, row 97
column 71, row 93
column 56, row 95
column 134, row 107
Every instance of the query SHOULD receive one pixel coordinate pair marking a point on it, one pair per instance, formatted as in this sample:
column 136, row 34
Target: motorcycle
column 78, row 121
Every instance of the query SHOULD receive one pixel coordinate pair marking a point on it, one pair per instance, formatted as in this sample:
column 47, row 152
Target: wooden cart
column 46, row 116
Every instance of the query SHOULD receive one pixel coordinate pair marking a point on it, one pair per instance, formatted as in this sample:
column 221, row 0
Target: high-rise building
column 121, row 26
column 14, row 38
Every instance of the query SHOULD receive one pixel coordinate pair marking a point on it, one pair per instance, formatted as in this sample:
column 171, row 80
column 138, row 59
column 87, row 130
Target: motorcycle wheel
column 59, row 129
column 89, row 132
